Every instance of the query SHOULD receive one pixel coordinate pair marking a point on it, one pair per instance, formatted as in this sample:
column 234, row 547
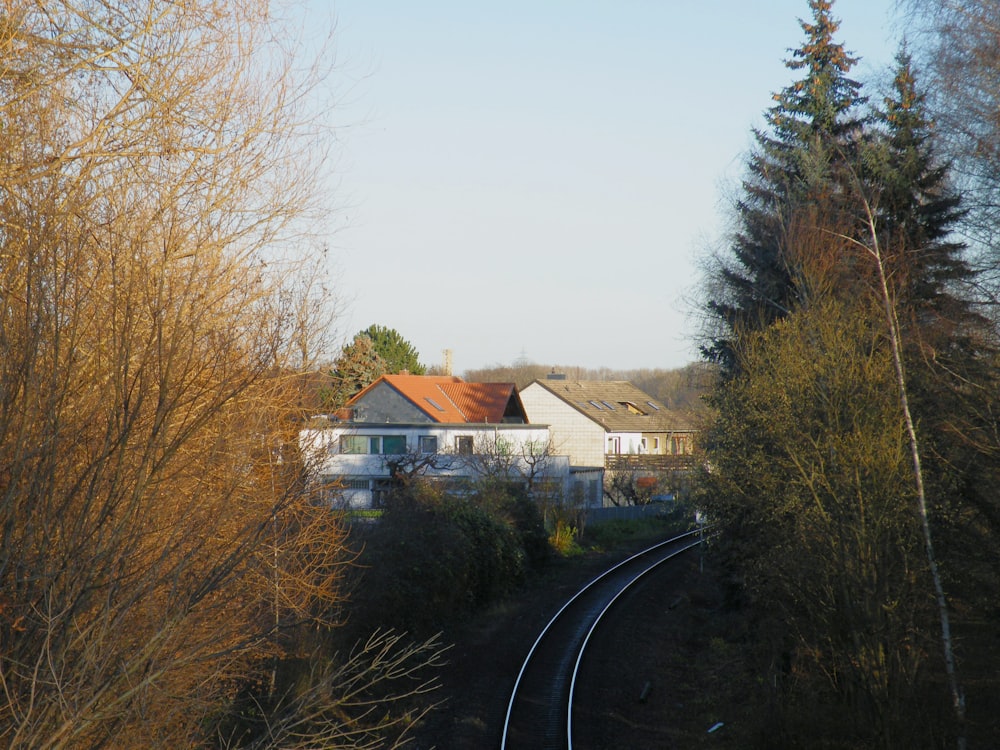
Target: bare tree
column 961, row 52
column 496, row 457
column 625, row 487
column 873, row 249
column 384, row 669
column 156, row 161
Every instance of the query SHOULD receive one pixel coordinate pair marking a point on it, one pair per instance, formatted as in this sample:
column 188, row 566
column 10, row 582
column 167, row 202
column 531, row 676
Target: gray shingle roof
column 618, row 406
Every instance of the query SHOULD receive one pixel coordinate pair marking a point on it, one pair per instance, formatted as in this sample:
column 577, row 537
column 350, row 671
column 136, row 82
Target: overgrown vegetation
column 166, row 578
column 612, row 534
column 853, row 441
column 434, row 558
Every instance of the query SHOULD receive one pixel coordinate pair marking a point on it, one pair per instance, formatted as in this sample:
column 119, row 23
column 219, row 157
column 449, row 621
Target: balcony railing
column 648, row 462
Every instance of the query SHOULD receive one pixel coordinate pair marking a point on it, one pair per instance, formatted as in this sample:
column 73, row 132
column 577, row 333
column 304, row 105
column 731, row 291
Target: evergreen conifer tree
column 949, row 346
column 358, row 366
column 813, row 130
column 398, row 354
column 918, row 213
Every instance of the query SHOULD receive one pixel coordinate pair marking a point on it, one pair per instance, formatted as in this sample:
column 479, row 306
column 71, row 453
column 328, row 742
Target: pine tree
column 374, row 352
column 918, row 212
column 797, row 165
column 398, row 354
column 358, row 366
column 949, row 346
column 946, row 341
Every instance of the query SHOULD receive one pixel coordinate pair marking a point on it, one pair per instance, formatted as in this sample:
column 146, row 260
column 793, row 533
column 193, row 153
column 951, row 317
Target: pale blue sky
column 538, row 178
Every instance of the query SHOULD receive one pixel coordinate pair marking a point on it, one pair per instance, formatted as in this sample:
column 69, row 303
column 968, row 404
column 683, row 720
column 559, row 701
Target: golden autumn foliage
column 158, row 547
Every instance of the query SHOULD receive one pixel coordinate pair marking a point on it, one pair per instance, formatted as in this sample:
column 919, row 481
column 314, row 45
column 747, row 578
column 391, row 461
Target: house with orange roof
column 436, row 398
column 441, row 428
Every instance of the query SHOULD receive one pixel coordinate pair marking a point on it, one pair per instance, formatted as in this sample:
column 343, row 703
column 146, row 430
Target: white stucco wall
column 321, row 448
column 582, row 439
column 625, row 442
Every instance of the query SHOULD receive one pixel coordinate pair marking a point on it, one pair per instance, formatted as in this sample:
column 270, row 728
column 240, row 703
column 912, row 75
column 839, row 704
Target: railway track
column 538, row 714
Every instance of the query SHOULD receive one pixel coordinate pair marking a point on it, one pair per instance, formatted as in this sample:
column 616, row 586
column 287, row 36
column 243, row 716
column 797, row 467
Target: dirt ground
column 638, row 693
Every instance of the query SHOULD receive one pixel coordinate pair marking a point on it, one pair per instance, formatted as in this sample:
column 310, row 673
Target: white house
column 439, row 427
column 602, row 425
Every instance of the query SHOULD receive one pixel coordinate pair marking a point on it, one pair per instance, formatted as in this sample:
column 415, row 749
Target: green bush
column 511, row 503
column 434, row 558
column 563, row 539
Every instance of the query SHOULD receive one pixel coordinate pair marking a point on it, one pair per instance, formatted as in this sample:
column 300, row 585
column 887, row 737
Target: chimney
column 447, row 362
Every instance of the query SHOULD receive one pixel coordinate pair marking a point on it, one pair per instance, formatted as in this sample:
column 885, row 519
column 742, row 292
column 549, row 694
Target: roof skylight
column 433, row 403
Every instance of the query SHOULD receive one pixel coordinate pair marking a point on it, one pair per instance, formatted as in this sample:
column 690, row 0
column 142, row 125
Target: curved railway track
column 538, row 714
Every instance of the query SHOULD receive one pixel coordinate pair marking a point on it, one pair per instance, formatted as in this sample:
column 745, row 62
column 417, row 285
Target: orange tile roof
column 449, row 399
column 425, row 392
column 480, row 402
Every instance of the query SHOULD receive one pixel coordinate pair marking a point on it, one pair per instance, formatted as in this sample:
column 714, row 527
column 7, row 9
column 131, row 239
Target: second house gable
column 573, row 433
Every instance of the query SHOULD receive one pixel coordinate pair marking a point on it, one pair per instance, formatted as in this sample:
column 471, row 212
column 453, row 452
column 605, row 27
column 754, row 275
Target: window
column 394, row 445
column 427, row 444
column 597, row 406
column 433, row 403
column 463, row 445
column 352, row 483
column 548, row 488
column 657, row 408
column 374, row 444
column 353, row 444
column 656, row 444
column 607, row 404
column 381, row 488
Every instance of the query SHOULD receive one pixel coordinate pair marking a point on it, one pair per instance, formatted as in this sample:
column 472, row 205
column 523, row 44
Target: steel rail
column 597, row 621
column 589, row 588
